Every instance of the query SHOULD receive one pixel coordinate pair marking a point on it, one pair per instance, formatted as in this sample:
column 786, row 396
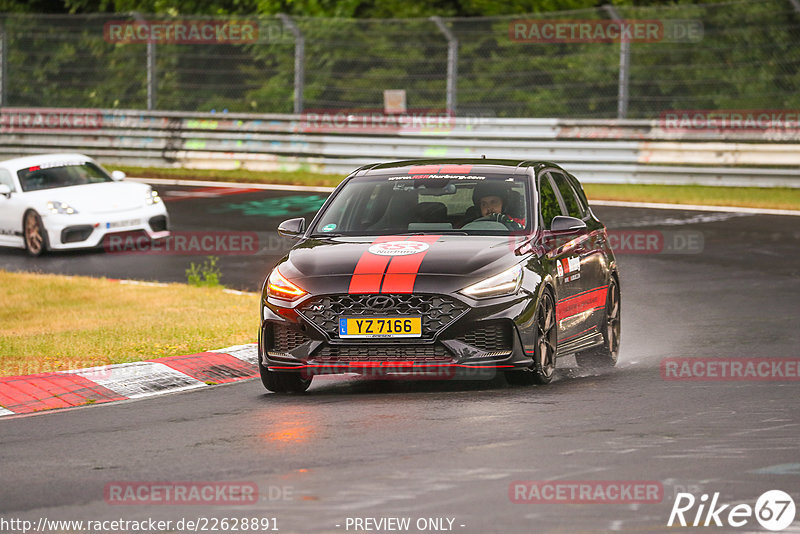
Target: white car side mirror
column 117, row 176
column 5, row 190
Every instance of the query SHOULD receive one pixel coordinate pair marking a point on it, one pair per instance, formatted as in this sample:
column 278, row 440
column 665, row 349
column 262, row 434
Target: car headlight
column 279, row 286
column 152, row 197
column 505, row 283
column 61, row 208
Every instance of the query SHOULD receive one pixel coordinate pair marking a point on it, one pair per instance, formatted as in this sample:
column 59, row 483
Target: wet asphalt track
column 355, row 447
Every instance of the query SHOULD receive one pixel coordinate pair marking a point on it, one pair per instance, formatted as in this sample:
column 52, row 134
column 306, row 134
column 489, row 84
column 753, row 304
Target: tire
column 544, row 357
column 35, row 234
column 606, row 354
column 283, row 382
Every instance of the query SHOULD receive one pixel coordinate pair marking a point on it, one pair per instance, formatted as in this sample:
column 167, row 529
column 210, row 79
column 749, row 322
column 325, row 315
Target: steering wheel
column 501, row 218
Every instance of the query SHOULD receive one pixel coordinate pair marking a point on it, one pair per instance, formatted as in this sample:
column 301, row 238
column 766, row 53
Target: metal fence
column 737, row 55
column 610, row 151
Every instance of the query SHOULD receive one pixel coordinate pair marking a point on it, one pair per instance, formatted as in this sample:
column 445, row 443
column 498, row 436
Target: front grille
column 495, row 337
column 437, row 311
column 285, row 339
column 383, row 353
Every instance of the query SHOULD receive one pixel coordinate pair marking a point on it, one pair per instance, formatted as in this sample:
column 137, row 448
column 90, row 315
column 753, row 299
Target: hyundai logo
column 380, row 302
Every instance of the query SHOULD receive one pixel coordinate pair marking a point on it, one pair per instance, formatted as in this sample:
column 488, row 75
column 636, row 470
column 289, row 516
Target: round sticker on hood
column 398, row 248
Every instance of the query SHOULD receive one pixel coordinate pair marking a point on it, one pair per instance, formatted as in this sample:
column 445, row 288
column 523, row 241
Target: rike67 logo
column 774, row 510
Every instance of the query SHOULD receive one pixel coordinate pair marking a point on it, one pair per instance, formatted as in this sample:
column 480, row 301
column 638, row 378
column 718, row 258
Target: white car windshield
column 60, row 174
column 397, row 204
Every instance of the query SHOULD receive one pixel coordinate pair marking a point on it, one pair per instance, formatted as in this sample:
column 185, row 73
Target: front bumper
column 66, row 232
column 461, row 338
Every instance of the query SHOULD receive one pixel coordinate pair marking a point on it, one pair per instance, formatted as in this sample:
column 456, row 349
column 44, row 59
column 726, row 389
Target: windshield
column 437, row 203
column 61, row 174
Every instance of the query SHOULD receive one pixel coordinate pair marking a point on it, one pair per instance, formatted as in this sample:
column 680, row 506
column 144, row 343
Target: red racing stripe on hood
column 368, row 273
column 402, row 271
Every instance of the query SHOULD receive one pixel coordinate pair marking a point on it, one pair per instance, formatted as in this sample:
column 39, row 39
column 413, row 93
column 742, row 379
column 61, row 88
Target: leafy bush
column 205, row 275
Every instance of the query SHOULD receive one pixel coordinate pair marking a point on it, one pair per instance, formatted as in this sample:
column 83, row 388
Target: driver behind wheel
column 492, row 201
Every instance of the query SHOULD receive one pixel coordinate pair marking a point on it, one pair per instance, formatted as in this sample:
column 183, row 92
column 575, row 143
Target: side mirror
column 5, row 190
column 292, row 227
column 561, row 223
column 118, row 176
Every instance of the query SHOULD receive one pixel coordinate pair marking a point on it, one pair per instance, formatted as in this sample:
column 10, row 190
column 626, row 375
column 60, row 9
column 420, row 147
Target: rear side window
column 574, row 209
column 548, row 203
column 582, row 200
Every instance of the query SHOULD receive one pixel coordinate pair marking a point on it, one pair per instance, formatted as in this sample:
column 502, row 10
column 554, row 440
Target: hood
column 105, row 197
column 399, row 264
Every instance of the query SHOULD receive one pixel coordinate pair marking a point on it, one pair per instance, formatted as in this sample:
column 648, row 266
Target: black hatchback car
column 440, row 268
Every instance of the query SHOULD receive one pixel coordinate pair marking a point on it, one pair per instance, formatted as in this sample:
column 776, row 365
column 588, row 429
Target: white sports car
column 68, row 201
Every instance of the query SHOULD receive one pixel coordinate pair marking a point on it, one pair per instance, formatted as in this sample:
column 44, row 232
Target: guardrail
column 610, row 151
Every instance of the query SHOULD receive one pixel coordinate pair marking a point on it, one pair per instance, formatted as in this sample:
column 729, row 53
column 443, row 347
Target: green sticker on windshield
column 329, row 227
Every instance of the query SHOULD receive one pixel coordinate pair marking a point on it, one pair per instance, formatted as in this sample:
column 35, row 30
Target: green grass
column 54, row 323
column 754, row 197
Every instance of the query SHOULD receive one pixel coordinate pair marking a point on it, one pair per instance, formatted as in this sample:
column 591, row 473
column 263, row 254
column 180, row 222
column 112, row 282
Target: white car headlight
column 152, row 197
column 61, row 208
column 505, row 283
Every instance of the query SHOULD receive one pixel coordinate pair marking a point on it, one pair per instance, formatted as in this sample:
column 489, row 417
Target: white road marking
column 662, row 219
column 237, row 292
column 141, row 379
column 234, row 185
column 247, row 353
column 779, row 469
column 142, row 283
column 3, row 412
column 692, row 207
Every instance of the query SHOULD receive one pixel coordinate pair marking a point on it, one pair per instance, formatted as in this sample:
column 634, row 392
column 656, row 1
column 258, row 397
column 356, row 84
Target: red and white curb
column 96, row 385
